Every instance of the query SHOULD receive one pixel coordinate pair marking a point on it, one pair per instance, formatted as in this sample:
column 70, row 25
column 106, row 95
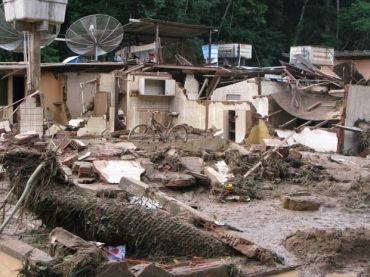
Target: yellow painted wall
column 9, row 265
column 258, row 133
column 52, row 88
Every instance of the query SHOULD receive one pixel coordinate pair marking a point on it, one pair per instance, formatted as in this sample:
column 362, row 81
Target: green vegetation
column 271, row 26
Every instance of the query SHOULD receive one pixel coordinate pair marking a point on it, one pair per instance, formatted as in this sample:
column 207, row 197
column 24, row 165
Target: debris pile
column 331, row 250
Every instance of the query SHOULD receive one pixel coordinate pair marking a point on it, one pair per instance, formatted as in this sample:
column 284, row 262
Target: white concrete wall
column 319, row 140
column 249, row 88
column 192, row 87
column 74, row 99
column 138, row 105
column 198, row 114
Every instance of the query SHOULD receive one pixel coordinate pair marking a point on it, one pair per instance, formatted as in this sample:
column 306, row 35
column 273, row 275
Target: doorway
column 18, row 93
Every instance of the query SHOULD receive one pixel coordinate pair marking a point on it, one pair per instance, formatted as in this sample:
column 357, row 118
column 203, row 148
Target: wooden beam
column 212, row 86
column 319, row 125
column 259, row 96
column 314, row 106
column 205, row 83
column 340, row 132
column 303, row 125
column 287, row 123
column 272, row 114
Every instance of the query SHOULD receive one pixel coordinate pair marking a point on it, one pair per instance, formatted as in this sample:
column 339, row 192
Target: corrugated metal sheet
column 358, row 104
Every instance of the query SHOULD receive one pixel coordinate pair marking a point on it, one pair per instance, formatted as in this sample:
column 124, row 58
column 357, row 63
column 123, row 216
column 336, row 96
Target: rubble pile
column 145, row 232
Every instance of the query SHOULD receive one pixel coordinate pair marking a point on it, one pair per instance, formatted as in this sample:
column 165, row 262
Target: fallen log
column 145, row 232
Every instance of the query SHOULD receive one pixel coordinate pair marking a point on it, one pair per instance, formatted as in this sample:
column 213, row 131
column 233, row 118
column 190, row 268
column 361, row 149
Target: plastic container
column 214, row 52
column 35, row 10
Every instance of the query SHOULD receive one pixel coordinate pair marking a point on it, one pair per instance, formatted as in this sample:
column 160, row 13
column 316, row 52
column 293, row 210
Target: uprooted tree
column 58, row 203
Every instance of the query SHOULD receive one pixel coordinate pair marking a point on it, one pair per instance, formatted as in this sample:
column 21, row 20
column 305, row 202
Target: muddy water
column 295, row 274
column 9, row 265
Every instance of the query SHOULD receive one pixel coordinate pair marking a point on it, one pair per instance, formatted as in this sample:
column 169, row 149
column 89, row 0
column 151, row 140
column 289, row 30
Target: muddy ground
column 334, row 239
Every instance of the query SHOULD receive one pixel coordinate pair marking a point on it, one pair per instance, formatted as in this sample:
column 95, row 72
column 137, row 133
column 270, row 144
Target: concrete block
column 112, row 171
column 85, row 170
column 194, row 164
column 147, row 165
column 300, row 204
column 30, row 100
column 77, row 144
column 294, row 154
column 77, row 164
column 169, row 204
column 94, row 126
column 24, row 138
column 268, row 144
column 69, row 160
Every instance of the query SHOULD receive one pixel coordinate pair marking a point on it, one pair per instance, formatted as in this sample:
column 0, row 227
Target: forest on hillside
column 271, row 26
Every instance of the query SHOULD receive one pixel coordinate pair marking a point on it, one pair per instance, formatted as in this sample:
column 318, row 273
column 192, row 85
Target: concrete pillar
column 34, row 54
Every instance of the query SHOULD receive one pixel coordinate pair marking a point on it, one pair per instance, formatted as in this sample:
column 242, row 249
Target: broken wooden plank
column 319, row 125
column 212, row 86
column 205, row 83
column 272, row 114
column 310, row 108
column 303, row 125
column 268, row 154
column 182, row 60
column 287, row 123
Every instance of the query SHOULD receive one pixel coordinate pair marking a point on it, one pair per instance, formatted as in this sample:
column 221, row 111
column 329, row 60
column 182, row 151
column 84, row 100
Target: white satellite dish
column 13, row 40
column 95, row 35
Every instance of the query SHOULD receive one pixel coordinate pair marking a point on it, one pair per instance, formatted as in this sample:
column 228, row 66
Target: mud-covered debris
column 172, row 179
column 330, row 250
column 301, row 203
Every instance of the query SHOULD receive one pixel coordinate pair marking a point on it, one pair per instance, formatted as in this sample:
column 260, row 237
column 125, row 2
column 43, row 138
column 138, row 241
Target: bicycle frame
column 159, row 128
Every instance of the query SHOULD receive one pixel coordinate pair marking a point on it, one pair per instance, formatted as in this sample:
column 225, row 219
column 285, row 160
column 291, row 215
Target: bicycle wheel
column 177, row 133
column 141, row 132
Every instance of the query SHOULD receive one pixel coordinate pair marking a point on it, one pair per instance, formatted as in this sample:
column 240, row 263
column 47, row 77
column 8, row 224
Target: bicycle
column 155, row 131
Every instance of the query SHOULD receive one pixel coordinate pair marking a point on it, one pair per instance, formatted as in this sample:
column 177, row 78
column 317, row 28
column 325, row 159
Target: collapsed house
column 242, row 104
column 237, row 100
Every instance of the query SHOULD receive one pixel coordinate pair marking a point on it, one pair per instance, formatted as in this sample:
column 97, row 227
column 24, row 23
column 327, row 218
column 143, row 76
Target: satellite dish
column 95, row 34
column 12, row 39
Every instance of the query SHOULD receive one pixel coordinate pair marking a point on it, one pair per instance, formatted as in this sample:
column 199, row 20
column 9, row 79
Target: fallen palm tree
column 60, row 204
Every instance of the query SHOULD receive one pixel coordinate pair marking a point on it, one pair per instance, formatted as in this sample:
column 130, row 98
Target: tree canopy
column 271, row 26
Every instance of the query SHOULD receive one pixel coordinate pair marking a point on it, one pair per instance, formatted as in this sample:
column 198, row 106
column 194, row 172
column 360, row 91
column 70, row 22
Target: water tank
column 235, row 50
column 35, row 10
column 316, row 55
column 214, row 52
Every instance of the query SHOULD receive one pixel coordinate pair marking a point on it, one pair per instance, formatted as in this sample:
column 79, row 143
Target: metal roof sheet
column 145, row 28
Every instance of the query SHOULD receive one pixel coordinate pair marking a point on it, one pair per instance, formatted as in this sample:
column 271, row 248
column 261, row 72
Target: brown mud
column 331, row 250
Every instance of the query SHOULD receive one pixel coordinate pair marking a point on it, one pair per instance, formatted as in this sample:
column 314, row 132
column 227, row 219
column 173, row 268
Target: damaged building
column 84, row 112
